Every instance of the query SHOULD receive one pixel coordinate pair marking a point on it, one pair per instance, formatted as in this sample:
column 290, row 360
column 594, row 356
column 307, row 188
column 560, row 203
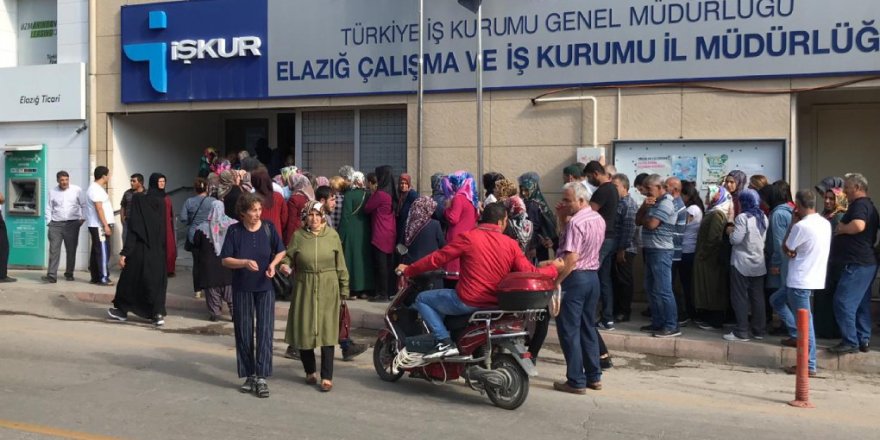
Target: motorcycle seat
column 456, row 322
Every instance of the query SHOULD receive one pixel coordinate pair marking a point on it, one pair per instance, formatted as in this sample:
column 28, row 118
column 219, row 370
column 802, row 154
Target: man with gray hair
column 807, row 246
column 657, row 218
column 853, row 248
column 583, row 232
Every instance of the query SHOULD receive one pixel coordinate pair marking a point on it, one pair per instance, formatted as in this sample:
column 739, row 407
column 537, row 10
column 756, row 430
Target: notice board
column 705, row 162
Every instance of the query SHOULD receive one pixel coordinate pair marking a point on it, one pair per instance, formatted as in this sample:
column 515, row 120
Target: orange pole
column 802, row 385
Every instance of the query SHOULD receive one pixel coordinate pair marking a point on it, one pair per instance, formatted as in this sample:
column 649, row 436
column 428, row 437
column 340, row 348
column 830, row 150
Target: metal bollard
column 802, row 384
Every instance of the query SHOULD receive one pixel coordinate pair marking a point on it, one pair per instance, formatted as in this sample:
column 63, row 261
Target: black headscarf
column 153, row 189
column 489, row 180
column 385, row 182
column 263, row 186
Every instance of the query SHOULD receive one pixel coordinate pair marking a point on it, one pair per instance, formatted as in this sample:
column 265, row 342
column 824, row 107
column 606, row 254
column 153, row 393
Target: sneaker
column 292, row 353
column 607, row 325
column 119, row 315
column 648, row 328
column 261, row 388
column 703, row 325
column 865, row 347
column 843, row 349
column 248, row 385
column 353, row 351
column 443, row 348
column 159, row 321
column 667, row 333
column 684, row 322
column 757, row 337
column 48, row 279
column 734, row 338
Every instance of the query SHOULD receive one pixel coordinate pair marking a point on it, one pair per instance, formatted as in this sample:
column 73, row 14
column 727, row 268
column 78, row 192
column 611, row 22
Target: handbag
column 344, row 322
column 283, row 287
column 188, row 245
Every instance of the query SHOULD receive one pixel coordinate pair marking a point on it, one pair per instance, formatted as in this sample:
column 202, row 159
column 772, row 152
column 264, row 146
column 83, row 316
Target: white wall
column 67, row 150
column 73, row 31
column 8, row 28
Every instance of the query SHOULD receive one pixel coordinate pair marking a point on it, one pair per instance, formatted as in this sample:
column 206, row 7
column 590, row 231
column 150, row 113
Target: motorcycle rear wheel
column 514, row 395
column 383, row 355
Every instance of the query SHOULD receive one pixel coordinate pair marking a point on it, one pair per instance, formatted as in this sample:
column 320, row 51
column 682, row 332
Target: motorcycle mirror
column 401, row 249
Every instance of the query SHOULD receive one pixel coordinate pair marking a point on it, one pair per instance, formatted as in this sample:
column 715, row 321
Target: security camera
column 82, row 128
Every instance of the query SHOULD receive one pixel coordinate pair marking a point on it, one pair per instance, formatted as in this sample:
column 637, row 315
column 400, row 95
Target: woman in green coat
column 354, row 230
column 712, row 261
column 321, row 279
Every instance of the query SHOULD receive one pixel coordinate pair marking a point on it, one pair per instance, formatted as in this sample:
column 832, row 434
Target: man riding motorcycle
column 487, row 256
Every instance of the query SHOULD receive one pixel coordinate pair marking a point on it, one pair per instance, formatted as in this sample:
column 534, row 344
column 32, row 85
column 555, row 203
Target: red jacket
column 487, row 256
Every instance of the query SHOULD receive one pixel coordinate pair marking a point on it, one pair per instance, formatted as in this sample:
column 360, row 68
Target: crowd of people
column 740, row 251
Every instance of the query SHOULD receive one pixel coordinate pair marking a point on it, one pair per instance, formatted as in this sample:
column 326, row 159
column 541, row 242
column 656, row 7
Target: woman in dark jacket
column 214, row 279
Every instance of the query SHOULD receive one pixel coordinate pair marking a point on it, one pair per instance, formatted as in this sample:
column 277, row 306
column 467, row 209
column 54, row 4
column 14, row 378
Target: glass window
column 327, row 141
column 383, row 139
column 37, row 32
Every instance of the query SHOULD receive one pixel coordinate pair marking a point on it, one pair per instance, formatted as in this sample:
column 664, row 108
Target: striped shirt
column 584, row 235
column 336, row 215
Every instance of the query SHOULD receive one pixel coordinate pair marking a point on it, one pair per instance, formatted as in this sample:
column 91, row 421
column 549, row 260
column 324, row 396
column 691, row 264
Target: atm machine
column 25, row 172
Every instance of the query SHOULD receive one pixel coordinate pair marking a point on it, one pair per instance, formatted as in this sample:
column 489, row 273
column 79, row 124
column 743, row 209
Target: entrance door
column 848, row 141
column 247, row 134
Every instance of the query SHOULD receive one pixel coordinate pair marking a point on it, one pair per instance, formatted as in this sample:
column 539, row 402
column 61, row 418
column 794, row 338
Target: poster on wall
column 654, row 165
column 586, row 155
column 685, row 168
column 37, row 32
column 715, row 168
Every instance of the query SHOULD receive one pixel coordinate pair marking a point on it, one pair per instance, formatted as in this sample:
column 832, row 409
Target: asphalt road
column 68, row 372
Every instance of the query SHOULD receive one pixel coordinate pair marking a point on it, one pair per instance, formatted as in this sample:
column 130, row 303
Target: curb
column 750, row 354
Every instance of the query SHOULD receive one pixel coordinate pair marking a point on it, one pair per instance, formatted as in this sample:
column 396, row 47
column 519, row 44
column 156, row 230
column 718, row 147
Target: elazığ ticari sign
column 49, row 92
column 351, row 47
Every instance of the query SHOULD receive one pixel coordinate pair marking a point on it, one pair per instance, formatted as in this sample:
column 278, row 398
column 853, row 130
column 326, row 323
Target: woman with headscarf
column 519, row 227
column 407, row 196
column 380, row 208
column 144, row 281
column 439, row 197
column 489, row 181
column 748, row 269
column 229, row 191
column 245, row 182
column 777, row 197
column 836, row 205
column 422, row 233
column 207, row 162
column 213, row 279
column 170, row 235
column 824, row 321
column 274, row 207
column 315, row 256
column 462, row 204
column 712, row 261
column 301, row 192
column 354, row 231
column 321, row 181
column 195, row 211
column 286, row 172
column 734, row 183
column 540, row 213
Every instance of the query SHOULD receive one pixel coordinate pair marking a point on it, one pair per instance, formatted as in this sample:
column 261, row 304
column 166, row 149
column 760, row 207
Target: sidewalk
column 694, row 344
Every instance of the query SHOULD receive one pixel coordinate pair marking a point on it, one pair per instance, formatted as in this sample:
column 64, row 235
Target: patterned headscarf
column 216, row 226
column 285, row 174
column 322, row 181
column 227, row 181
column 750, row 202
column 347, row 172
column 718, row 199
column 519, row 220
column 300, row 184
column 437, row 184
column 358, row 180
column 419, row 215
column 532, row 182
column 213, row 185
column 840, row 203
column 461, row 182
column 313, row 205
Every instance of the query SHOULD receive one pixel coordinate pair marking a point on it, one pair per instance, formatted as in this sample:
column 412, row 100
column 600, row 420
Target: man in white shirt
column 65, row 212
column 807, row 245
column 99, row 215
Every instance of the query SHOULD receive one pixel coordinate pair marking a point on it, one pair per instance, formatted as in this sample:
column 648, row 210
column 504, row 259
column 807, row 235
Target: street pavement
column 65, row 371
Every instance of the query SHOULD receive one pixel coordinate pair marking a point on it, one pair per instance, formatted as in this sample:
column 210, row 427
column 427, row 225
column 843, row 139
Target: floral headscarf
column 419, row 215
column 285, row 174
column 461, row 182
column 750, row 203
column 300, row 184
column 216, row 226
column 531, row 182
column 718, row 199
column 519, row 220
column 840, row 203
column 358, row 180
column 313, row 205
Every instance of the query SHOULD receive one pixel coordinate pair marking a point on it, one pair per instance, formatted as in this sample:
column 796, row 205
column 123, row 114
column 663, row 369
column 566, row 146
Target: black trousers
column 99, row 260
column 308, row 361
column 4, row 249
column 622, row 281
column 685, row 301
column 384, row 273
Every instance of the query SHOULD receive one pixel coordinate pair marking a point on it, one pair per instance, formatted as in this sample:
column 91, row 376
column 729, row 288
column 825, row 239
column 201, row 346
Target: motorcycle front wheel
column 383, row 355
column 514, row 394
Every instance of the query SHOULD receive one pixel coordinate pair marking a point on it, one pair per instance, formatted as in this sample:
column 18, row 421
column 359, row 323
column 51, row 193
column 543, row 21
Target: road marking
column 48, row 430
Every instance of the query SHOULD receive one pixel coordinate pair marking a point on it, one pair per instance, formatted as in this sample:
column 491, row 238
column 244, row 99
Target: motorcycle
column 492, row 358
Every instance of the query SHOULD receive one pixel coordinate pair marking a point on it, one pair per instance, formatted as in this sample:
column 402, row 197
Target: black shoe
column 648, row 328
column 159, row 320
column 667, row 333
column 119, row 315
column 292, row 353
column 379, row 299
column 605, row 363
column 213, row 318
column 353, row 351
column 68, row 277
column 864, row 348
column 844, row 349
column 248, row 385
column 8, row 280
column 442, row 349
column 703, row 325
column 684, row 322
column 48, row 279
column 261, row 388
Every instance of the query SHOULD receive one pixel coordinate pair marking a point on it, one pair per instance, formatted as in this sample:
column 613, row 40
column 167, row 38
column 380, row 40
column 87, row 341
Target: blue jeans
column 796, row 299
column 434, row 305
column 606, row 263
column 576, row 326
column 658, row 286
column 852, row 303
